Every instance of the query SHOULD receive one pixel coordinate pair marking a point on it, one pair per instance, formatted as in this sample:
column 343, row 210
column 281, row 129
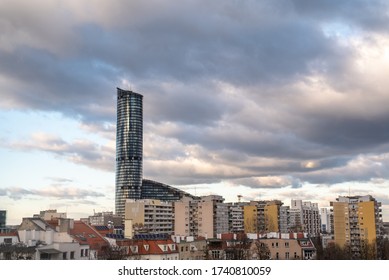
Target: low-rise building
column 51, row 242
column 149, row 249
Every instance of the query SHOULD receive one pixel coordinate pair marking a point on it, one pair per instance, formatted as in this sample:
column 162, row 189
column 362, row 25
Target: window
column 216, row 254
column 64, row 255
column 8, row 240
column 286, row 255
column 286, row 244
column 277, row 256
column 72, row 255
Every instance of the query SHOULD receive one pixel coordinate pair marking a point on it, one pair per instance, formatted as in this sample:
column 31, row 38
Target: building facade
column 236, row 216
column 149, row 216
column 129, row 148
column 206, row 216
column 262, row 216
column 357, row 222
column 309, row 216
column 327, row 218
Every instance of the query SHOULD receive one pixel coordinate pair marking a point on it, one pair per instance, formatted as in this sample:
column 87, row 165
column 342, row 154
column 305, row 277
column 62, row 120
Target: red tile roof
column 85, row 234
column 150, row 247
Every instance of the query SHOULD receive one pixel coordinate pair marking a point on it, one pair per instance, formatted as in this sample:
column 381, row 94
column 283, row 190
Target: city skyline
column 271, row 100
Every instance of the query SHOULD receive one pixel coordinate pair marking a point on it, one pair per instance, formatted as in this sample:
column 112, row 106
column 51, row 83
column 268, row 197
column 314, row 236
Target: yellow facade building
column 262, row 216
column 357, row 220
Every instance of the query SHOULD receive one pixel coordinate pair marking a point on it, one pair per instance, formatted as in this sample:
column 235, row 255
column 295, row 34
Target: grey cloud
column 233, row 79
column 80, row 151
column 56, row 192
column 368, row 15
column 59, row 180
column 269, row 182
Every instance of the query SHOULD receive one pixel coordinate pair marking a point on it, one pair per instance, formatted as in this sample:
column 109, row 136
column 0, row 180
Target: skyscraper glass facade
column 129, row 148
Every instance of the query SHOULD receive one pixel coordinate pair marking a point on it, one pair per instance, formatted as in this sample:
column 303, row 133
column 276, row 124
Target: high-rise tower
column 129, row 148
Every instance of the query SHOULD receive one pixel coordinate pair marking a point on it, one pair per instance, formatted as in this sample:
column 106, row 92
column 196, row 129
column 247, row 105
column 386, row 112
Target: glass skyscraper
column 129, row 148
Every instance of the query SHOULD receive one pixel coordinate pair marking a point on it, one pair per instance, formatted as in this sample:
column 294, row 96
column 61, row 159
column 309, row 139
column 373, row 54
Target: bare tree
column 259, row 251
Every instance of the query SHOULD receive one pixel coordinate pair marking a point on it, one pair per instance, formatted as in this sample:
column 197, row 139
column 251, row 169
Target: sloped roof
column 85, row 234
column 35, row 223
column 151, row 247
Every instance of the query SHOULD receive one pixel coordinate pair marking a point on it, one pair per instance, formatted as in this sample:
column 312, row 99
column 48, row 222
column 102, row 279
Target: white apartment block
column 236, row 216
column 326, row 217
column 309, row 216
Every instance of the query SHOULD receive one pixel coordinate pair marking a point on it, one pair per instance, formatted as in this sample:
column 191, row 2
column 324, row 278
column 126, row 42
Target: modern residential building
column 236, row 216
column 129, row 148
column 284, row 219
column 148, row 216
column 186, row 222
column 205, row 217
column 357, row 221
column 262, row 216
column 107, row 218
column 212, row 216
column 327, row 219
column 309, row 216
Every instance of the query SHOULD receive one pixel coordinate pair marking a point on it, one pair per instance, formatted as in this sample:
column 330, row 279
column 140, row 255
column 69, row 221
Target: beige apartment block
column 206, row 217
column 149, row 216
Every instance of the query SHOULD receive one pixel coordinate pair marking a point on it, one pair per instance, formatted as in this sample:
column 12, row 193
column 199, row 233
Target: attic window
column 134, row 249
column 147, row 247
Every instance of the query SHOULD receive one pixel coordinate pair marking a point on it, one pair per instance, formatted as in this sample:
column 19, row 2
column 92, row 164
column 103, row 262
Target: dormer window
column 134, row 249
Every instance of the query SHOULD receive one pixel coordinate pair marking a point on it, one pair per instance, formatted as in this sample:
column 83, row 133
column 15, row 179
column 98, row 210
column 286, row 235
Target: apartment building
column 205, row 217
column 357, row 221
column 104, row 219
column 262, row 216
column 236, row 216
column 149, row 216
column 309, row 216
column 327, row 220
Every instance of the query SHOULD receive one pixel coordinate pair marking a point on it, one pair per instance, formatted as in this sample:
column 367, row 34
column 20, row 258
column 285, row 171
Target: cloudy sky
column 272, row 99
